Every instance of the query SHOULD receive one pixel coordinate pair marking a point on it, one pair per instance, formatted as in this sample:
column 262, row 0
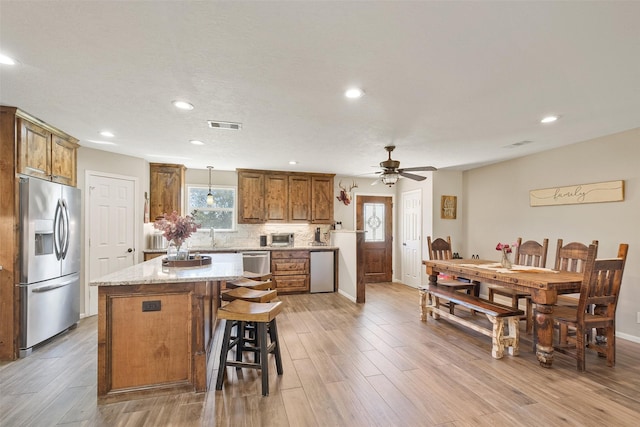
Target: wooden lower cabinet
column 152, row 255
column 290, row 271
column 155, row 338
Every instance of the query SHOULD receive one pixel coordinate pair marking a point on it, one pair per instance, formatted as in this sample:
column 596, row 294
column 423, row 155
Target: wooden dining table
column 544, row 285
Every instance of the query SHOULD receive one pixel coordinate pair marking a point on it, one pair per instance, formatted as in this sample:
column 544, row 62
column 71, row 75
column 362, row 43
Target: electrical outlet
column 151, row 305
column 638, row 317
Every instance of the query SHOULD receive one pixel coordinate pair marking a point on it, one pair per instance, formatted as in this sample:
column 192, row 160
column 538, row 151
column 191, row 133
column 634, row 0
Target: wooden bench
column 496, row 313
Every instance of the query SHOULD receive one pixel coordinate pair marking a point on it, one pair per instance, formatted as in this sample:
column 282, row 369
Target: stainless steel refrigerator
column 49, row 259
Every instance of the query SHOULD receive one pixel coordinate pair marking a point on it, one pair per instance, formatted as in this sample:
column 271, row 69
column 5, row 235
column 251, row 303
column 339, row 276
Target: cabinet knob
column 130, row 250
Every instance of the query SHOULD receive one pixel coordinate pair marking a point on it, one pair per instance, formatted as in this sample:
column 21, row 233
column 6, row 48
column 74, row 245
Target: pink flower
column 176, row 228
column 505, row 247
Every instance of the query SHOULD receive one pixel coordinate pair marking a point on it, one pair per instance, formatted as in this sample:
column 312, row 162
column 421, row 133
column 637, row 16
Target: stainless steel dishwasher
column 322, row 278
column 258, row 262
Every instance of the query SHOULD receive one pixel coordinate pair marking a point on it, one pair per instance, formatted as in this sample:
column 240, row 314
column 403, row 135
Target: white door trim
column 87, row 223
column 417, row 194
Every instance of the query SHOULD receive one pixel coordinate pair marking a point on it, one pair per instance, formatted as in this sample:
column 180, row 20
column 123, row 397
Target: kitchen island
column 156, row 326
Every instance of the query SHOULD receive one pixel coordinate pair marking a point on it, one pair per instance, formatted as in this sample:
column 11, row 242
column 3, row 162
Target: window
column 221, row 216
column 374, row 222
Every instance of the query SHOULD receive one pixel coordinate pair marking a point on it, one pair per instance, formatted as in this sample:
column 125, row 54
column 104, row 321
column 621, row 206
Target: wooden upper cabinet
column 250, row 197
column 274, row 196
column 322, row 199
column 276, row 190
column 64, row 158
column 300, row 198
column 165, row 189
column 45, row 152
column 34, row 150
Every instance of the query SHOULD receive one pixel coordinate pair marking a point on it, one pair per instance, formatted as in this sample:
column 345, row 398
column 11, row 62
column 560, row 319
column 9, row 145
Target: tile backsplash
column 248, row 235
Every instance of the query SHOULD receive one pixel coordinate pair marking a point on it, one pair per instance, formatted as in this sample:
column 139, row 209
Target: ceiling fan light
column 390, row 178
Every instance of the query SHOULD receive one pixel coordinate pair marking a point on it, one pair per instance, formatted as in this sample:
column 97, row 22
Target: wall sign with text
column 610, row 191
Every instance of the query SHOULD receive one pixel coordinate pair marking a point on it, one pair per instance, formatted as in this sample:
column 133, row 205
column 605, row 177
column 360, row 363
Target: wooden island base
column 155, row 338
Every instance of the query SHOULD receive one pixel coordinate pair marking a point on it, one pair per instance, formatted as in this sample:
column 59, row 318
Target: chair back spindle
column 601, row 286
column 532, row 253
column 572, row 256
column 440, row 249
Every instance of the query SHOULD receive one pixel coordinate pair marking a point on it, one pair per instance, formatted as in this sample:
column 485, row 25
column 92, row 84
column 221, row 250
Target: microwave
column 281, row 239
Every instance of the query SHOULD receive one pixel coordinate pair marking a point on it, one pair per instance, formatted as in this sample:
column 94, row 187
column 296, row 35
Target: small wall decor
column 448, row 207
column 610, row 191
column 346, row 195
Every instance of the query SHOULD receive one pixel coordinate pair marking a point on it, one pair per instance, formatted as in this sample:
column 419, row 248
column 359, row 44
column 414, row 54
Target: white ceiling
column 451, row 84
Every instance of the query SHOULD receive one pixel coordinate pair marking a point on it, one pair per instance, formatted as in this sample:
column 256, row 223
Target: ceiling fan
column 391, row 170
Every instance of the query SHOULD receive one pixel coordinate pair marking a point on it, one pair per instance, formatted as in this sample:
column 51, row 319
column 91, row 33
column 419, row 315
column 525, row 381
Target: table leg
column 543, row 318
column 476, row 288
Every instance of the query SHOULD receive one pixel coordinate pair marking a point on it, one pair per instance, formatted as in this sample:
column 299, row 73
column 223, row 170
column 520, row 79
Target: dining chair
column 532, row 254
column 570, row 257
column 596, row 309
column 440, row 249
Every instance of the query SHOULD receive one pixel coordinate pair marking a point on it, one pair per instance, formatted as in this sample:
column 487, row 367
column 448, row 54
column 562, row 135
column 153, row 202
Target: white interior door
column 111, row 228
column 411, row 238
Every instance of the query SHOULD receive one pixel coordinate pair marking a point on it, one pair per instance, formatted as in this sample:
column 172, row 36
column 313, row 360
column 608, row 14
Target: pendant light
column 210, row 195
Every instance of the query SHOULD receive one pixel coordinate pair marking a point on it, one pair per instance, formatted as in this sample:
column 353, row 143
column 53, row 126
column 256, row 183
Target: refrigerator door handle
column 65, row 226
column 57, row 241
column 52, row 287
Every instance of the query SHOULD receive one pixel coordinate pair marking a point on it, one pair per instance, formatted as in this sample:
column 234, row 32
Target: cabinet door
column 322, row 200
column 63, row 160
column 291, row 284
column 276, row 192
column 250, row 197
column 34, row 150
column 165, row 188
column 299, row 198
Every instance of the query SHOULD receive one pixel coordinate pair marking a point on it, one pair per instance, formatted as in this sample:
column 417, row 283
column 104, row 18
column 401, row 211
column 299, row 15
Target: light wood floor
column 344, row 365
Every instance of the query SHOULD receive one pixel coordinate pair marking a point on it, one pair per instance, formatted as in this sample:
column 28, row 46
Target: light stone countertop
column 222, row 267
column 254, row 248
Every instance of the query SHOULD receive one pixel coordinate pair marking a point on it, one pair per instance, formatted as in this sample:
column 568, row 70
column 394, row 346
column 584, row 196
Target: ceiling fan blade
column 376, row 181
column 412, row 176
column 418, row 168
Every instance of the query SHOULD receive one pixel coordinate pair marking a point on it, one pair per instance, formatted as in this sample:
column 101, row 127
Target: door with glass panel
column 374, row 216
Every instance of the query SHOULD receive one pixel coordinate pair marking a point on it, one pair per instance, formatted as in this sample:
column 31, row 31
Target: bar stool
column 249, row 294
column 248, row 283
column 264, row 315
column 257, row 276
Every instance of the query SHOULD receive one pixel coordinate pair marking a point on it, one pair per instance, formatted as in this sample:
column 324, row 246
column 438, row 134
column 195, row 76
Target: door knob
column 130, row 250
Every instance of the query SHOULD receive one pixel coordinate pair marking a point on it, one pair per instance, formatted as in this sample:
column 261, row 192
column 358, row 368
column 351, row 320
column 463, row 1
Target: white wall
column 103, row 161
column 496, row 201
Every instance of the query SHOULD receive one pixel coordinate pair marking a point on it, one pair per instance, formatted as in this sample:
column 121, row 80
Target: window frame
column 234, row 210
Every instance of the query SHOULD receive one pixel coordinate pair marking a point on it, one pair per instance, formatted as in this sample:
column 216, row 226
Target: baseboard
column 628, row 337
column 346, row 295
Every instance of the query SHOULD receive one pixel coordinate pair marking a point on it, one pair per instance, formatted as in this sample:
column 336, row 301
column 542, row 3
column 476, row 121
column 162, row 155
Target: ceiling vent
column 213, row 124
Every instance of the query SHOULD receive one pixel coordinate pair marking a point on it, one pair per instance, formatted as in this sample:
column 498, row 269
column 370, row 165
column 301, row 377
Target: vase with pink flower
column 176, row 229
column 506, row 250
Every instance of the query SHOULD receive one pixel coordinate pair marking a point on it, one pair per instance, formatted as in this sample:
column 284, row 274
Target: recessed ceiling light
column 183, row 105
column 196, row 142
column 293, row 162
column 354, row 93
column 549, row 119
column 4, row 59
column 107, row 134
